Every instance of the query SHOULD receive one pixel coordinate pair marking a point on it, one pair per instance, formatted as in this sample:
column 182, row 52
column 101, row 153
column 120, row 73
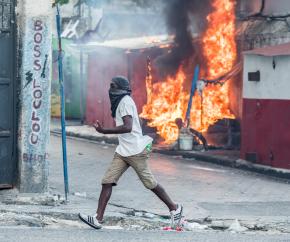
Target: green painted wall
column 72, row 81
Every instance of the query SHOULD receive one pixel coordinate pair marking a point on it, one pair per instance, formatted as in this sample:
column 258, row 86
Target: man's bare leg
column 161, row 193
column 103, row 200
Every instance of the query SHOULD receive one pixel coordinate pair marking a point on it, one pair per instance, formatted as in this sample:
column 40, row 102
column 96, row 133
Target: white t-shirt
column 135, row 142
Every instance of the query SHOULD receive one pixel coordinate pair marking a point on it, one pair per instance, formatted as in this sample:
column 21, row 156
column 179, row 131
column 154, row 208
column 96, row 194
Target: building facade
column 25, row 40
column 266, row 102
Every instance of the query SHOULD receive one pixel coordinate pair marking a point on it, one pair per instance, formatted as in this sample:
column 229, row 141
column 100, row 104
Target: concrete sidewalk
column 76, row 129
column 228, row 158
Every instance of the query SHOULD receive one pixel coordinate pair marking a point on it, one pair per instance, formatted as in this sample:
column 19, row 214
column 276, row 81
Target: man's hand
column 99, row 128
column 123, row 129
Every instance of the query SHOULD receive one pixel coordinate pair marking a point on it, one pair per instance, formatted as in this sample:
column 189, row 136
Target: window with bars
column 5, row 14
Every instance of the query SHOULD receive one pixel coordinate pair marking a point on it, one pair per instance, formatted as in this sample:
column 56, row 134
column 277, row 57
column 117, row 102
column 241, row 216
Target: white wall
column 274, row 83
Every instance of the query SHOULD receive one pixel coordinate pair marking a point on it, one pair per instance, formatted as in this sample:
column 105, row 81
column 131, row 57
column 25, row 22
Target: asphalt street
column 213, row 196
column 204, row 189
column 73, row 235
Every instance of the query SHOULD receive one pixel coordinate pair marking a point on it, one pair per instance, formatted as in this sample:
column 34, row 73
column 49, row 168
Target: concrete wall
column 277, row 7
column 271, row 6
column 261, row 31
column 266, row 116
column 274, row 82
column 34, row 18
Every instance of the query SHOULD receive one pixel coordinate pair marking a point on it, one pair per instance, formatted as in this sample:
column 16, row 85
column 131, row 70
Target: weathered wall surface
column 34, row 32
column 266, row 117
column 271, row 27
column 271, row 6
column 260, row 31
column 274, row 82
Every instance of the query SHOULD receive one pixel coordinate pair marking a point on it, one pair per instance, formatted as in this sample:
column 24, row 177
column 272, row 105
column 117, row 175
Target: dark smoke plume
column 180, row 15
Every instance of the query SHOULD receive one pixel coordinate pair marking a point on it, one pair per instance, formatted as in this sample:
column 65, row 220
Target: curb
column 215, row 159
column 230, row 162
column 265, row 170
column 108, row 140
column 219, row 160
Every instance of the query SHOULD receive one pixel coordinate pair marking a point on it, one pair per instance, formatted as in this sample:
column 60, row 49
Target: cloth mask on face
column 116, row 94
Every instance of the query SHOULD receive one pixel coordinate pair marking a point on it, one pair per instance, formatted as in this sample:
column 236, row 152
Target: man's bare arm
column 123, row 129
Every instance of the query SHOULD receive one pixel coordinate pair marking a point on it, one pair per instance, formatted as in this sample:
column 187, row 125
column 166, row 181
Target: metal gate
column 7, row 95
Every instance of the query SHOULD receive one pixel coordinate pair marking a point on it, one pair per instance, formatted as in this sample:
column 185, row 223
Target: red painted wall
column 103, row 65
column 266, row 131
column 107, row 63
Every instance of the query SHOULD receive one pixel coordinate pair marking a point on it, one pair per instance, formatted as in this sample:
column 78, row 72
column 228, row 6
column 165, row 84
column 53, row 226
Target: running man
column 133, row 150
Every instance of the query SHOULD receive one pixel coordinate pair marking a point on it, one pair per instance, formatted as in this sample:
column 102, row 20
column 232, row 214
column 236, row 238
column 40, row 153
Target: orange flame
column 220, row 51
column 167, row 101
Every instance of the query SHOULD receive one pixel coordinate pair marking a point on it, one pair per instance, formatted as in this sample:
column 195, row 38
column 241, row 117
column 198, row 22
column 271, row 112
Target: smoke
column 183, row 17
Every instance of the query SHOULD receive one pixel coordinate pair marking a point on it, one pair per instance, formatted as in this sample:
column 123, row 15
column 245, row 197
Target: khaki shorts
column 138, row 162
